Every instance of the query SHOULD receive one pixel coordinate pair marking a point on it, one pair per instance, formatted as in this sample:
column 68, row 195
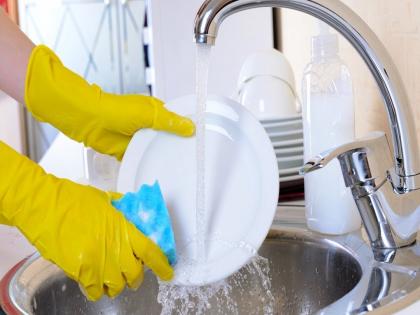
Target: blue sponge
column 146, row 209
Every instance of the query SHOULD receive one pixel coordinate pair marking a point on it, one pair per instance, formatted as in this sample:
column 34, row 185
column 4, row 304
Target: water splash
column 246, row 292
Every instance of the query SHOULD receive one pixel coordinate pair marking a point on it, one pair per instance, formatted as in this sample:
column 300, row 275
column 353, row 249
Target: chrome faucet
column 366, row 165
column 385, row 185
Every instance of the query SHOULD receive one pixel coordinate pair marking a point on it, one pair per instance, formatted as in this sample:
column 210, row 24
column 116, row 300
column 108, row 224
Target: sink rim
column 405, row 261
column 6, row 301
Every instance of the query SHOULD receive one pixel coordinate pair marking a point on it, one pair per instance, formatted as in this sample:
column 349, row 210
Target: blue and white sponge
column 146, row 209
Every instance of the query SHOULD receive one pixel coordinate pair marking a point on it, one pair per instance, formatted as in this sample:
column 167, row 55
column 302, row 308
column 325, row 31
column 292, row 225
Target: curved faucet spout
column 406, row 175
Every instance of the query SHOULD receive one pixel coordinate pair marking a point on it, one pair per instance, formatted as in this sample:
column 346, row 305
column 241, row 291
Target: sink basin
column 309, row 273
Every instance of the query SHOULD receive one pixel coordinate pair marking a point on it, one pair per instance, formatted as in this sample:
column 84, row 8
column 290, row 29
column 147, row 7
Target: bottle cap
column 325, row 43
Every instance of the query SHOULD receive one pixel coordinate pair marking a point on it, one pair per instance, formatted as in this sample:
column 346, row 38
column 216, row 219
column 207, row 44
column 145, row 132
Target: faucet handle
column 365, row 160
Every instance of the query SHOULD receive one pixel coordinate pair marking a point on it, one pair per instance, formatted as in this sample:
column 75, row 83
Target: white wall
column 173, row 49
column 11, row 126
column 397, row 25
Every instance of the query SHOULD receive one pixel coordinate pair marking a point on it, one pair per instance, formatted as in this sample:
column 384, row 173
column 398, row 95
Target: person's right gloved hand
column 76, row 227
column 85, row 113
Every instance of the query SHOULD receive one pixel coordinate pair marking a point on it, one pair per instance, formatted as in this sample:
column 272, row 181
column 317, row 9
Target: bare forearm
column 15, row 50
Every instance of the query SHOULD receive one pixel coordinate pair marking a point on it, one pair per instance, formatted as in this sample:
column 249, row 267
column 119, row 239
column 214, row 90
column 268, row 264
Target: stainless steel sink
column 309, row 273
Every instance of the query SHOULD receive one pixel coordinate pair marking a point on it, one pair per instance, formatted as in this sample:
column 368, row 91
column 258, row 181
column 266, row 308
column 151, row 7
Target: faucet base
column 382, row 235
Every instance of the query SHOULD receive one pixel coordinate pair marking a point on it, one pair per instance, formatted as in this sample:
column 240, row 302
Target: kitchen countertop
column 13, row 248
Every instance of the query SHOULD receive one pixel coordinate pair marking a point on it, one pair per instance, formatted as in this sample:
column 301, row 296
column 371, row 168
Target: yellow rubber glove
column 103, row 121
column 75, row 227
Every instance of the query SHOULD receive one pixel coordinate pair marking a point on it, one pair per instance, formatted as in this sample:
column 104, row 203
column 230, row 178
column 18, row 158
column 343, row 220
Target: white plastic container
column 101, row 170
column 328, row 115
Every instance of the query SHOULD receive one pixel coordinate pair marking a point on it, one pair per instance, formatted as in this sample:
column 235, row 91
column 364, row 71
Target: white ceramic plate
column 283, row 126
column 282, row 159
column 278, row 120
column 289, row 171
column 288, row 143
column 290, row 178
column 289, row 162
column 289, row 151
column 242, row 185
column 286, row 135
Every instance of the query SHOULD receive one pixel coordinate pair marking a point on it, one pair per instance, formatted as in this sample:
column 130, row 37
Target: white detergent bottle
column 328, row 115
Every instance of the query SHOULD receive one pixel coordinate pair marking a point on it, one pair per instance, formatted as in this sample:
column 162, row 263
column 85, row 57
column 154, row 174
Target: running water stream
column 231, row 295
column 201, row 81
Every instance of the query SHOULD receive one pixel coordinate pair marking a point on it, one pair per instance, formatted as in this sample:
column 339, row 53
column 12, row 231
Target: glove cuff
column 39, row 52
column 19, row 177
column 56, row 95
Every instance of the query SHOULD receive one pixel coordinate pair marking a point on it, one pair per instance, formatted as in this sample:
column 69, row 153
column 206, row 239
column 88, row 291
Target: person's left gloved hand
column 103, row 121
column 76, row 227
